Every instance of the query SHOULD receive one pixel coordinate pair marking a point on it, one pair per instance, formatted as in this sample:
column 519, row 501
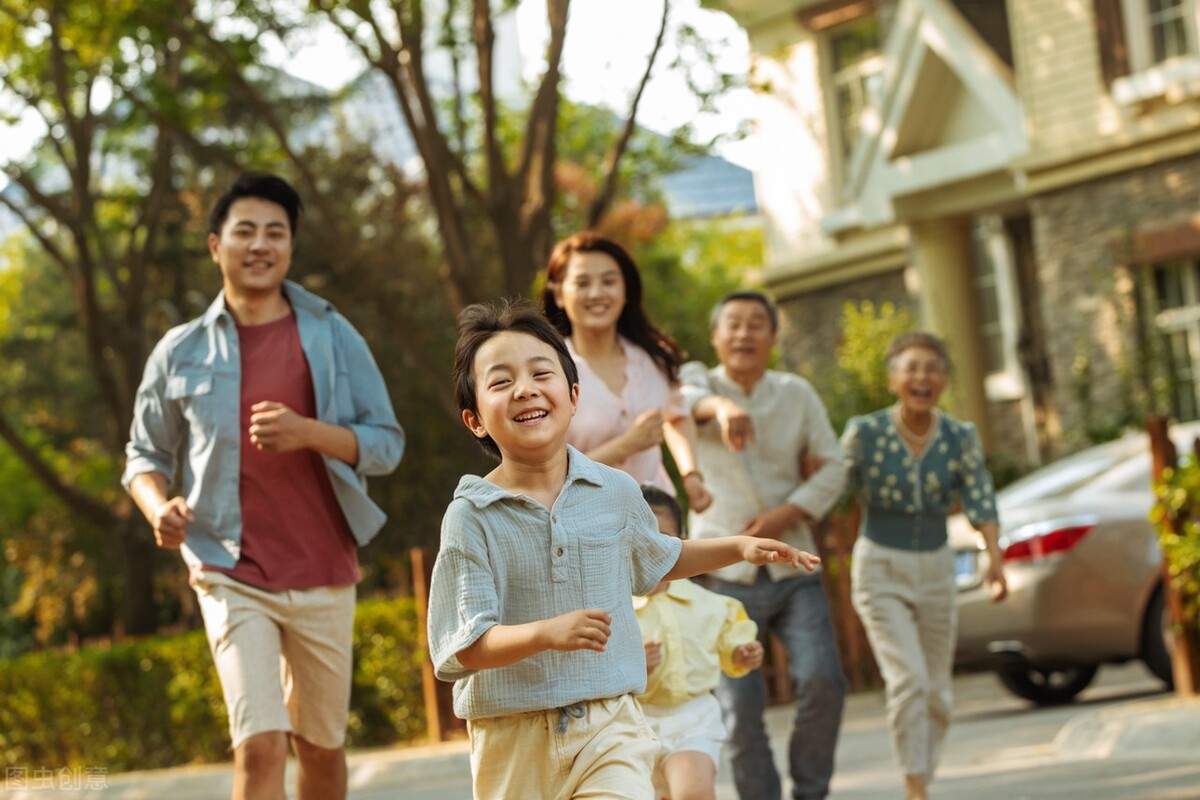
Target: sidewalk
column 1163, row 726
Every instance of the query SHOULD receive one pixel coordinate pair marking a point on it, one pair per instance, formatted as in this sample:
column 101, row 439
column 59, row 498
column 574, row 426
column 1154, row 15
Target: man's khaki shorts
column 284, row 658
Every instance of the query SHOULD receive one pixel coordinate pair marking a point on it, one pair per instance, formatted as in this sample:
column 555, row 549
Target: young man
column 530, row 607
column 280, row 414
column 757, row 428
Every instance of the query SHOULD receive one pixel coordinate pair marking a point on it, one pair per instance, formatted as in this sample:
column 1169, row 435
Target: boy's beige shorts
column 608, row 752
column 284, row 657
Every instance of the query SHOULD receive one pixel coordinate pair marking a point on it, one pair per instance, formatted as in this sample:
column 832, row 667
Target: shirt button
column 558, row 551
column 554, row 517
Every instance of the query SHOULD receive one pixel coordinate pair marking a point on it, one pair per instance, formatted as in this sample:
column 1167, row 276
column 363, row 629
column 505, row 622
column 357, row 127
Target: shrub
column 157, row 702
column 1176, row 514
column 858, row 383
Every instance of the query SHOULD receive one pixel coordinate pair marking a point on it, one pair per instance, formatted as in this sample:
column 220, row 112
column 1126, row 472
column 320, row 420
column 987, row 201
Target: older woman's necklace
column 917, row 442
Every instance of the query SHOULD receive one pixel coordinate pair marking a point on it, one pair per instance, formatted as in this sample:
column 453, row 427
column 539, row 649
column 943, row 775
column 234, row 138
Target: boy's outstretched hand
column 586, row 629
column 768, row 551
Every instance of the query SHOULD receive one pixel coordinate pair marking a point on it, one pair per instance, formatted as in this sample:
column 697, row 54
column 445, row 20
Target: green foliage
column 858, row 384
column 386, row 702
column 691, row 266
column 157, row 703
column 1176, row 514
column 150, row 704
column 154, row 110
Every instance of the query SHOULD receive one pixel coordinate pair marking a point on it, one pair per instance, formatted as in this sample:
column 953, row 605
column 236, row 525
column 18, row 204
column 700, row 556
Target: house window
column 1177, row 321
column 1163, row 39
column 1172, row 33
column 999, row 307
column 856, row 63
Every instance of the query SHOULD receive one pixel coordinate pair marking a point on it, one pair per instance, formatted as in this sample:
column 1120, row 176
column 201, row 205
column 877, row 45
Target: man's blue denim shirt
column 190, row 396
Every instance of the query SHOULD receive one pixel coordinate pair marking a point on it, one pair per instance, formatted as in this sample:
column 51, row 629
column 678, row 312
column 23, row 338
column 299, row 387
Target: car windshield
column 1069, row 474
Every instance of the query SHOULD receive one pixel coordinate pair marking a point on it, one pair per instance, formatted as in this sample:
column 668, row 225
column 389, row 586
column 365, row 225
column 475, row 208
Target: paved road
column 1125, row 739
column 1121, row 739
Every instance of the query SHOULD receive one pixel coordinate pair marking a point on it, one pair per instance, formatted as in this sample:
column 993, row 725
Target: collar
column 481, row 492
column 299, row 298
column 682, row 590
column 763, row 380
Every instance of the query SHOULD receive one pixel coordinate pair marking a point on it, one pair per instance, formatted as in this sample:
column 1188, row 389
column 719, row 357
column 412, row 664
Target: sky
column 608, row 42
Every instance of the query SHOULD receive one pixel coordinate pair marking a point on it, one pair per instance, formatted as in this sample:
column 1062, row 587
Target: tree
column 149, row 108
column 127, row 91
column 468, row 171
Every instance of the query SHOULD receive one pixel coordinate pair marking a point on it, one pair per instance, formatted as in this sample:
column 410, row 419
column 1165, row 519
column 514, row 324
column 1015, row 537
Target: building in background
column 1024, row 174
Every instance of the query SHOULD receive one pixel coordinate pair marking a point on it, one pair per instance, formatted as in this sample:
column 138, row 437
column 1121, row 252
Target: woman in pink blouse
column 629, row 398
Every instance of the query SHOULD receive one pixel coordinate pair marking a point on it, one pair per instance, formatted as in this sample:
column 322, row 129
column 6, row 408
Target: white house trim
column 930, row 36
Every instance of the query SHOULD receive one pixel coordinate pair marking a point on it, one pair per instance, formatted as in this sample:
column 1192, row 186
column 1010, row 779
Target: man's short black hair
column 477, row 324
column 745, row 294
column 262, row 185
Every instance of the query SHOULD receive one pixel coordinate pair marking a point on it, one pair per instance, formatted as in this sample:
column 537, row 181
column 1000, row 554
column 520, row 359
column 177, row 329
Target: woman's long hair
column 633, row 323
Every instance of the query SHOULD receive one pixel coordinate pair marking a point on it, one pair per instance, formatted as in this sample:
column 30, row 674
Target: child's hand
column 768, row 551
column 586, row 629
column 653, row 654
column 748, row 656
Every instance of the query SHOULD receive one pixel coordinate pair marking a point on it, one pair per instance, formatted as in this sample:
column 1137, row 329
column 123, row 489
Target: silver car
column 1084, row 573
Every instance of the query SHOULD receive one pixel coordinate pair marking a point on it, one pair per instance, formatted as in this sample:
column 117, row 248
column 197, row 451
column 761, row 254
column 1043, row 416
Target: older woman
column 629, row 397
column 911, row 464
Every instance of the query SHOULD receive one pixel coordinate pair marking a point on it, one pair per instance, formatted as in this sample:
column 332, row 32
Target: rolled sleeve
column 463, row 603
column 693, row 377
column 157, row 427
column 654, row 553
column 822, row 490
column 380, row 437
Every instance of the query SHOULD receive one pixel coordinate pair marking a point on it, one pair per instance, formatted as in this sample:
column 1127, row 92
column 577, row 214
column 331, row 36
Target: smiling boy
column 530, row 609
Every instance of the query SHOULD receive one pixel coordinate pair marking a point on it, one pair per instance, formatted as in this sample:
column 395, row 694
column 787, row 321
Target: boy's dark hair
column 262, row 185
column 656, row 498
column 745, row 294
column 633, row 323
column 477, row 324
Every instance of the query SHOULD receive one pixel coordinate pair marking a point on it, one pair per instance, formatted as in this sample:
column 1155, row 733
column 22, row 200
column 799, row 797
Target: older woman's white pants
column 906, row 601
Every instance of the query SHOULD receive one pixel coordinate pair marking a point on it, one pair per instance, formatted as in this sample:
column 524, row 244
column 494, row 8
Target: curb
column 366, row 769
column 409, row 765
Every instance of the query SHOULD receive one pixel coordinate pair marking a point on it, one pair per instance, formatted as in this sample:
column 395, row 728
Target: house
column 1023, row 174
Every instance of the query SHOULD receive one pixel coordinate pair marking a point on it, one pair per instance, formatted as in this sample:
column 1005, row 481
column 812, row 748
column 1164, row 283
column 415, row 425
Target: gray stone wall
column 1008, row 453
column 811, row 324
column 1086, row 239
column 811, row 330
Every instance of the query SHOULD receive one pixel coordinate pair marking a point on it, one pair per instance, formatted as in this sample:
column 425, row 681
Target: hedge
column 157, row 702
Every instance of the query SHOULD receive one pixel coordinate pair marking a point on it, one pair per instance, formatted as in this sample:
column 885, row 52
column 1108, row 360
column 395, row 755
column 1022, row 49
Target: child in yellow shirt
column 690, row 636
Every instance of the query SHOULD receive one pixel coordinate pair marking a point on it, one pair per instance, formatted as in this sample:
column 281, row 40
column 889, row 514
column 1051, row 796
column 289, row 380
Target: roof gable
column 947, row 112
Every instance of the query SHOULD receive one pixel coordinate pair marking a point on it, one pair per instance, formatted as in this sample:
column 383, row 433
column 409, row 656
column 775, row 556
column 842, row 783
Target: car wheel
column 1047, row 686
column 1156, row 639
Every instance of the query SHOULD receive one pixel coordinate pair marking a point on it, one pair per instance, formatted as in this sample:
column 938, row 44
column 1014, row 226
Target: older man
column 757, row 429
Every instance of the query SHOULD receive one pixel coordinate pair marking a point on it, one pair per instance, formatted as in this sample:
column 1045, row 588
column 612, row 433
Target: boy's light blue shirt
column 506, row 559
column 190, row 395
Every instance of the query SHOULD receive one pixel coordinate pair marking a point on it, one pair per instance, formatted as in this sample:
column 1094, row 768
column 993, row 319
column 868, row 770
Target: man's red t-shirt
column 294, row 535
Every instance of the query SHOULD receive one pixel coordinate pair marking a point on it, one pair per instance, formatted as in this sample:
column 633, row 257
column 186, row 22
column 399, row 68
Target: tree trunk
column 139, row 613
